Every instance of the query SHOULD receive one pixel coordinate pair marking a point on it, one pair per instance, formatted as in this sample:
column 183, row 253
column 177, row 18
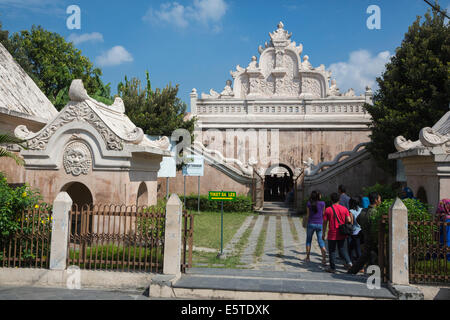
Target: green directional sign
column 222, row 195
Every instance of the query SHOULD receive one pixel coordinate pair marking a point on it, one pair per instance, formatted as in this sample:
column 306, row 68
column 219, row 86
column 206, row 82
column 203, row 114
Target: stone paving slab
column 247, row 255
column 237, row 236
column 269, row 256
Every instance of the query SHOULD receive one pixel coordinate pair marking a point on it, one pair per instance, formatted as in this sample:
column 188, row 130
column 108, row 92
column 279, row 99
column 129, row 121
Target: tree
column 7, row 139
column 414, row 91
column 158, row 112
column 53, row 63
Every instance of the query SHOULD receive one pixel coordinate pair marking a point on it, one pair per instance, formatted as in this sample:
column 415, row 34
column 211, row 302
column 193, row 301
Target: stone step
column 235, row 284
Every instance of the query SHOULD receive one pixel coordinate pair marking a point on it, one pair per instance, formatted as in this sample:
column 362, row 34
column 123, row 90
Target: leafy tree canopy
column 53, row 63
column 158, row 112
column 414, row 90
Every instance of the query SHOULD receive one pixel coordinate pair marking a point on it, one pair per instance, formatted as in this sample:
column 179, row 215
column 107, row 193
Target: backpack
column 345, row 229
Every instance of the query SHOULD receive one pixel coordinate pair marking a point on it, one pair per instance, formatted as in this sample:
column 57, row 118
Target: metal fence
column 29, row 245
column 383, row 248
column 429, row 253
column 188, row 240
column 113, row 237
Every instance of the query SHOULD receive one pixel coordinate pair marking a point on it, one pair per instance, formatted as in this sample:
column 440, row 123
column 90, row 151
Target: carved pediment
column 110, row 121
column 279, row 73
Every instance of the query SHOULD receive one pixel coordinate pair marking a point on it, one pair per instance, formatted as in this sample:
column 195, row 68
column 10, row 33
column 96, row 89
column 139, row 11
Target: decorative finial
column 280, row 25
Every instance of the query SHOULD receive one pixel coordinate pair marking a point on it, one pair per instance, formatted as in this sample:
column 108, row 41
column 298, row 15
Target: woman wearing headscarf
column 443, row 214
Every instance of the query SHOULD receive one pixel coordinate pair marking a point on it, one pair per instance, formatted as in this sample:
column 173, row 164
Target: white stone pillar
column 173, row 239
column 194, row 97
column 398, row 243
column 60, row 231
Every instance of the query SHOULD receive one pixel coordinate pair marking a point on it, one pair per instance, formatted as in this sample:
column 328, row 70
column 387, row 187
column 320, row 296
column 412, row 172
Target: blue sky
column 195, row 43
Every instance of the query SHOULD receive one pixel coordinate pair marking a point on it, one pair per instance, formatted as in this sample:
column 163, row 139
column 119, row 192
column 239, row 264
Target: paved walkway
column 292, row 257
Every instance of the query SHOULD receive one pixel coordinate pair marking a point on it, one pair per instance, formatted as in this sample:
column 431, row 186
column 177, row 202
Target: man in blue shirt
column 344, row 198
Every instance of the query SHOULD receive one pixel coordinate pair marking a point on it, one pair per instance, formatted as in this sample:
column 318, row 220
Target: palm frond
column 16, row 158
column 9, row 139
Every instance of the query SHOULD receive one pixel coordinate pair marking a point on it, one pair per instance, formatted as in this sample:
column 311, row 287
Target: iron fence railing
column 188, row 240
column 429, row 253
column 113, row 237
column 29, row 245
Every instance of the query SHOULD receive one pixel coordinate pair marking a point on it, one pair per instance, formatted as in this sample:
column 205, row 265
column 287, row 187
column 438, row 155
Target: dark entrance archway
column 80, row 194
column 81, row 200
column 278, row 182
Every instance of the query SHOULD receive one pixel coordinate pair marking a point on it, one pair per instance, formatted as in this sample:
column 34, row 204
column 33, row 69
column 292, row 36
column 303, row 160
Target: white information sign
column 194, row 168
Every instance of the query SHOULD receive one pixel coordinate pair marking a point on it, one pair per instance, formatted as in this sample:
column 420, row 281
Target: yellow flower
column 51, row 218
column 36, row 206
column 24, row 195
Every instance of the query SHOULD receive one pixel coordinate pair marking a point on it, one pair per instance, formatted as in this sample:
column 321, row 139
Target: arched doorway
column 81, row 197
column 79, row 193
column 278, row 182
column 142, row 196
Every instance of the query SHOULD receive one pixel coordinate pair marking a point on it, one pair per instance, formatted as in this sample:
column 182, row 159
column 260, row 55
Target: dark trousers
column 354, row 247
column 368, row 255
column 332, row 244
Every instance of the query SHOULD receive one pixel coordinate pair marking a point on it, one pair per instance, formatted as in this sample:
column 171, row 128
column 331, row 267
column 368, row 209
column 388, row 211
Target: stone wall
column 362, row 174
column 214, row 180
column 106, row 187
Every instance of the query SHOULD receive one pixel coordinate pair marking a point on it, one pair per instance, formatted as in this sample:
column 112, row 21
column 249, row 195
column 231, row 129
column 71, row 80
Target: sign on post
column 194, row 166
column 222, row 195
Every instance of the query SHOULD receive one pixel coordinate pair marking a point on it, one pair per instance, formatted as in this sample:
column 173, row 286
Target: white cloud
column 38, row 6
column 115, row 56
column 360, row 70
column 85, row 37
column 205, row 12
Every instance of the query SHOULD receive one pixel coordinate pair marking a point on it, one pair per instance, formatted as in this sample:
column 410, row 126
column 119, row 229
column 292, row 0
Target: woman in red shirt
column 335, row 239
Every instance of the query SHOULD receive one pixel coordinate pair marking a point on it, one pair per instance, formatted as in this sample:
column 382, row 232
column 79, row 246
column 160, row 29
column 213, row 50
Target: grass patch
column 230, row 262
column 261, row 240
column 112, row 257
column 293, row 229
column 207, row 227
column 279, row 238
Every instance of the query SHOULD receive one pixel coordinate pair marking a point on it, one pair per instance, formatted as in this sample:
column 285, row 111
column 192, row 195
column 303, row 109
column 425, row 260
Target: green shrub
column 242, row 204
column 12, row 203
column 385, row 191
column 417, row 211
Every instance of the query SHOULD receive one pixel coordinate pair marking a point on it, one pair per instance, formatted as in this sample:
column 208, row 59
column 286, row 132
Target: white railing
column 264, row 108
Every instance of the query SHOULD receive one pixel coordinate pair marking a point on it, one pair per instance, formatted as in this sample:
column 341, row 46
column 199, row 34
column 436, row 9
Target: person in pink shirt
column 333, row 217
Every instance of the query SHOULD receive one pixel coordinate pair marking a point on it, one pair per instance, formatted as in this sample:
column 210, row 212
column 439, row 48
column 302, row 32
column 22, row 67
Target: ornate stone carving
column 82, row 113
column 430, row 138
column 350, row 93
column 401, row 144
column 306, row 64
column 311, row 86
column 334, row 90
column 228, row 90
column 77, row 158
column 310, row 167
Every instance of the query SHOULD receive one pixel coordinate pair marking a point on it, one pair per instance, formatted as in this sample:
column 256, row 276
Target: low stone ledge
column 88, row 278
column 403, row 292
